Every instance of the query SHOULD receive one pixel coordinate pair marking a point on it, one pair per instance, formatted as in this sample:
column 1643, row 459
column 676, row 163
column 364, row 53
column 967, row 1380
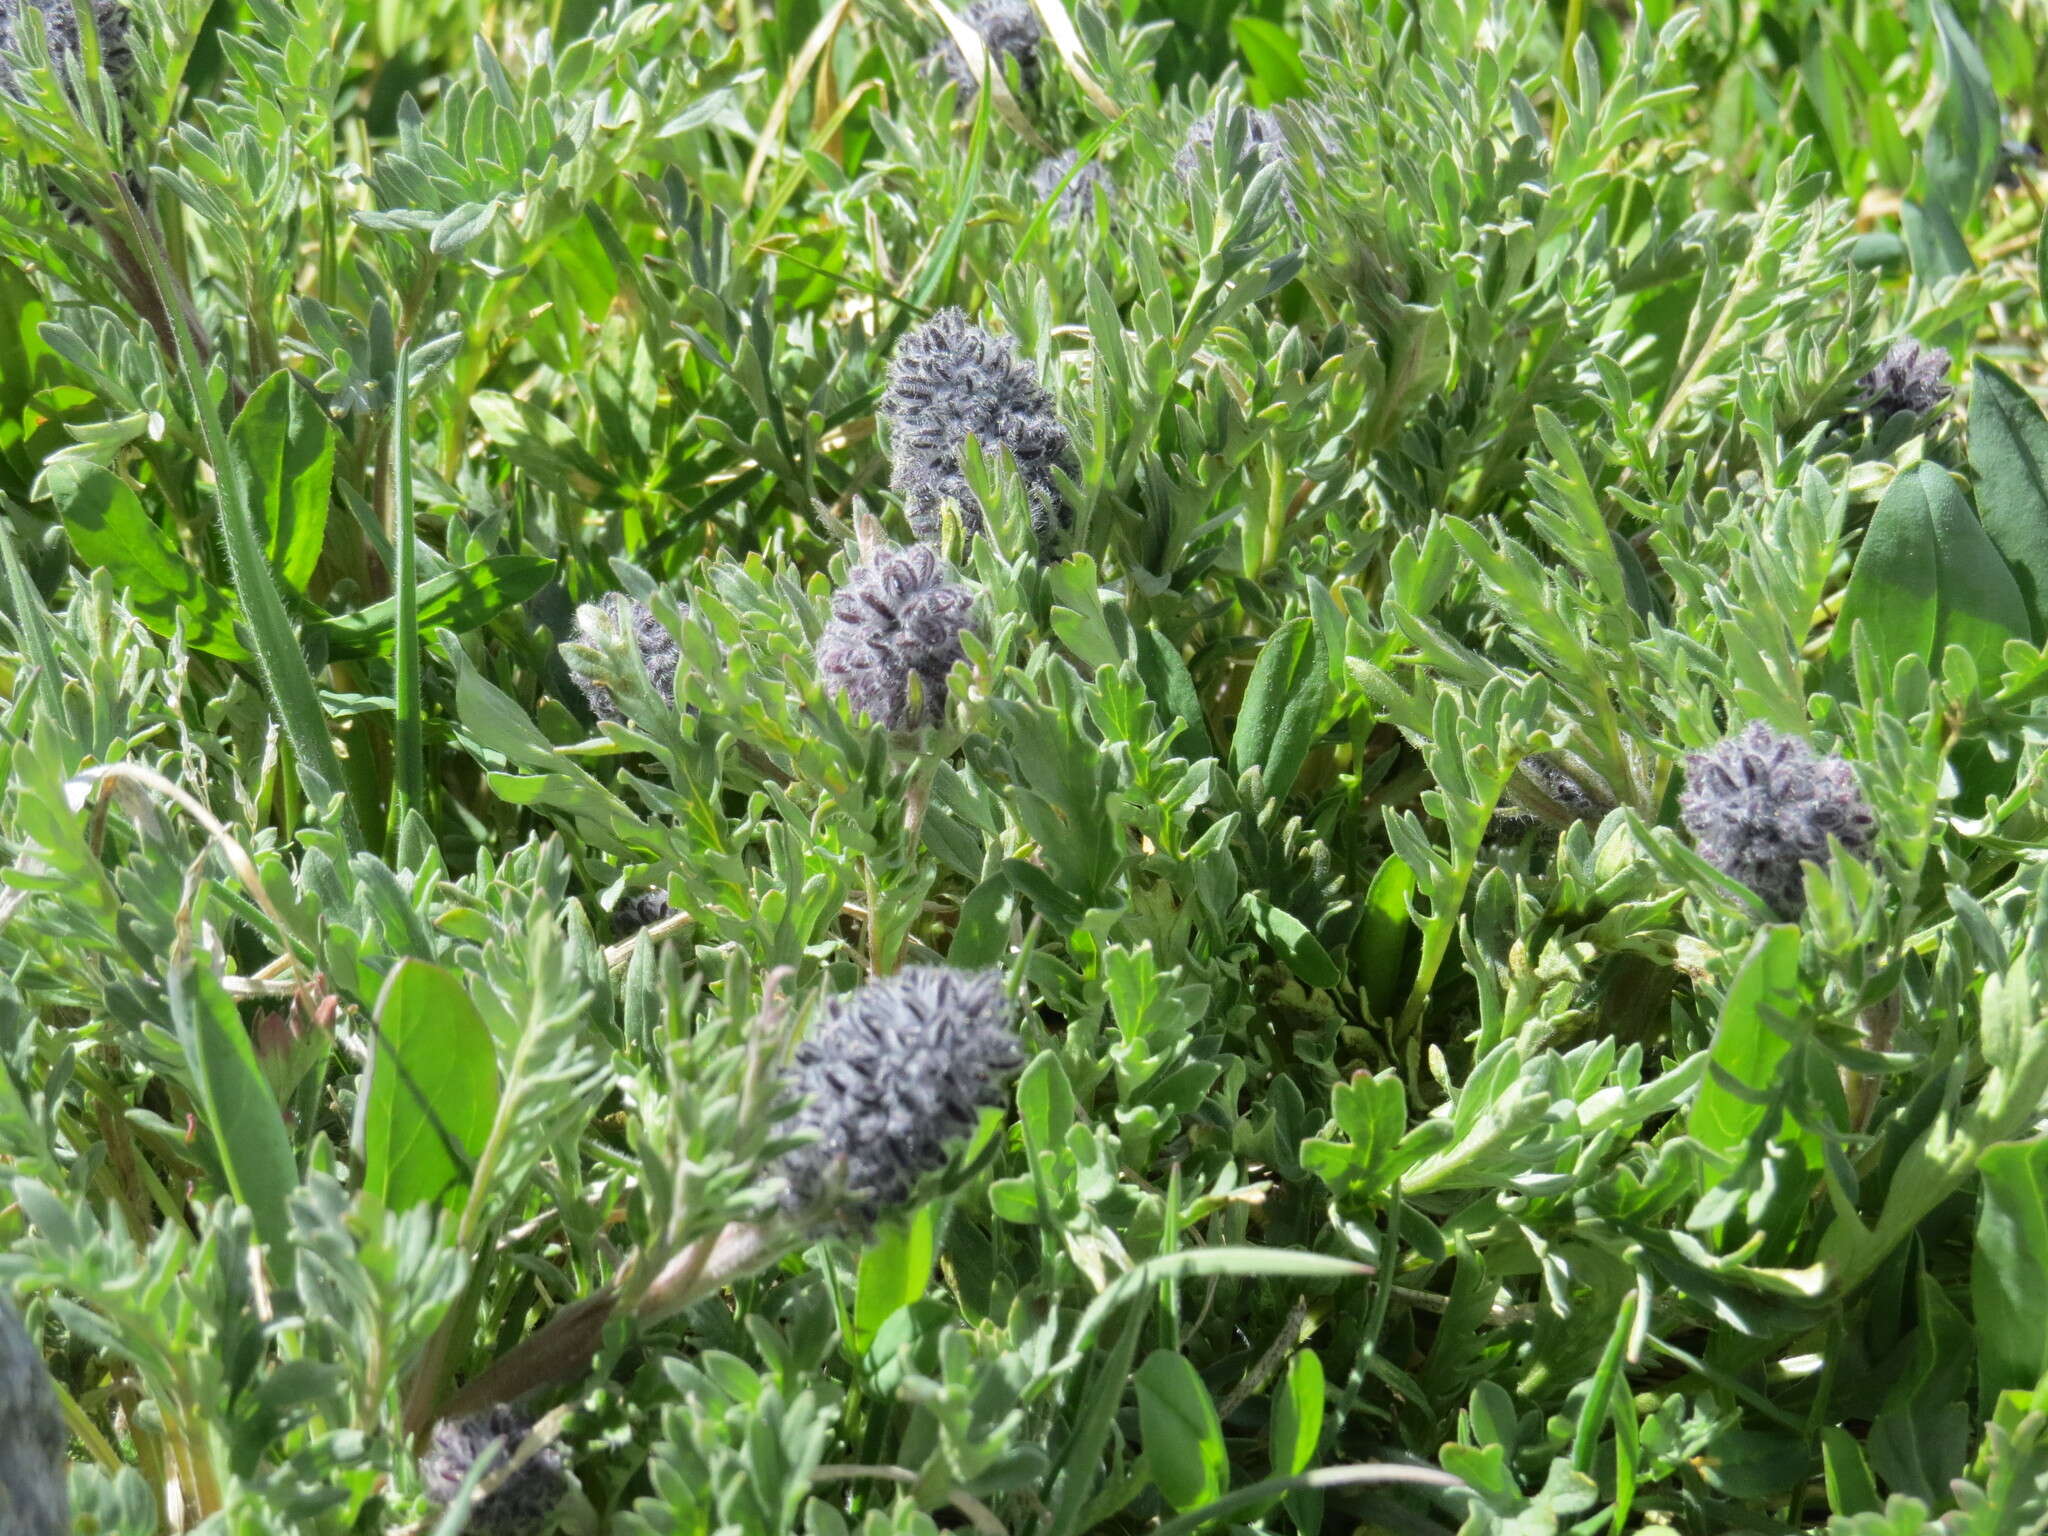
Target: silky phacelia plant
column 1008, row 29
column 1761, row 805
column 951, row 380
column 598, row 625
column 1909, row 380
column 890, row 1076
column 897, row 618
column 1077, row 197
column 521, row 1504
column 32, row 1460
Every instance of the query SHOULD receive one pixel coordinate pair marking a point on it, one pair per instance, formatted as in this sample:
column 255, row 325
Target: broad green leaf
column 1298, row 1415
column 286, row 451
column 1928, row 577
column 893, row 1273
column 457, row 600
column 110, row 531
column 2009, row 451
column 1385, row 936
column 2009, row 1269
column 241, row 1116
column 1746, row 1050
column 1183, row 1438
column 1045, row 1103
column 1302, row 951
column 1962, row 141
column 1283, row 706
column 31, row 376
column 433, row 1089
column 1850, row 1487
column 1272, row 59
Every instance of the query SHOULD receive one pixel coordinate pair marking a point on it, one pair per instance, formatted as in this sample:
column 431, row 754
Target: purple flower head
column 1761, row 805
column 60, row 28
column 1008, row 29
column 896, row 618
column 949, row 381
column 601, row 626
column 32, row 1461
column 1077, row 198
column 889, row 1078
column 522, row 1503
column 1910, row 380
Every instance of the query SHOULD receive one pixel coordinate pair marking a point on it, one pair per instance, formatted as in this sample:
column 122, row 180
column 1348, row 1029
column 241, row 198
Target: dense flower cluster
column 895, row 619
column 637, row 910
column 60, row 27
column 889, row 1077
column 1910, row 380
column 951, row 380
column 33, row 1501
column 1263, row 139
column 1008, row 29
column 521, row 1504
column 1077, row 198
column 597, row 626
column 1760, row 805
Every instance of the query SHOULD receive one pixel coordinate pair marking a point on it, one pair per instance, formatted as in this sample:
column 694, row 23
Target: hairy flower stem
column 561, row 1348
column 1878, row 1023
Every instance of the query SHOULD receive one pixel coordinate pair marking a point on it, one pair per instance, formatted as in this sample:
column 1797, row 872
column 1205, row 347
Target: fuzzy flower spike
column 1008, row 29
column 897, row 618
column 1077, row 197
column 1909, row 380
column 891, row 1075
column 598, row 625
column 60, row 27
column 949, row 381
column 1761, row 805
column 521, row 1504
column 33, row 1500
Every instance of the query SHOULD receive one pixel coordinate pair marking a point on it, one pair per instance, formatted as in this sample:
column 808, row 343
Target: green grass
column 1404, row 1146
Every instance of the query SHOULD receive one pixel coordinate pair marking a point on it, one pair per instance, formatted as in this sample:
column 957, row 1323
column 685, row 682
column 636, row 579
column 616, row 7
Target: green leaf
column 1962, row 141
column 286, row 452
column 1172, row 690
column 1850, row 1487
column 1385, row 936
column 110, row 531
column 1928, row 577
column 1298, row 1415
column 2009, row 1269
column 893, row 1273
column 1746, row 1049
column 1272, row 59
column 2009, row 451
column 1183, row 1438
column 1283, row 706
column 457, row 600
column 1302, row 951
column 433, row 1089
column 241, row 1115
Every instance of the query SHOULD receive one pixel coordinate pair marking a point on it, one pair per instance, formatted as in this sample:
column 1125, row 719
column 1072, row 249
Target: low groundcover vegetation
column 1045, row 766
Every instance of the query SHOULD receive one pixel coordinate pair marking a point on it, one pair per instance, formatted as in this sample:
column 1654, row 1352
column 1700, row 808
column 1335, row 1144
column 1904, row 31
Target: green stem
column 286, row 678
column 410, row 786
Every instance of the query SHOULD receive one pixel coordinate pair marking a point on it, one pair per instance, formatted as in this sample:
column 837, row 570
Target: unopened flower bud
column 1760, row 806
column 602, row 630
column 890, row 1077
column 896, row 624
column 522, row 1502
column 1008, row 29
column 949, row 381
